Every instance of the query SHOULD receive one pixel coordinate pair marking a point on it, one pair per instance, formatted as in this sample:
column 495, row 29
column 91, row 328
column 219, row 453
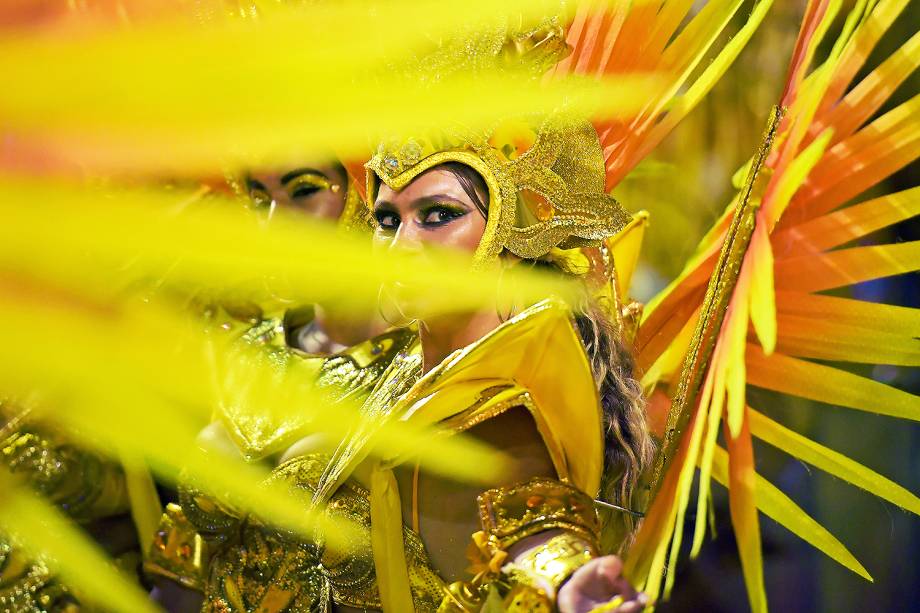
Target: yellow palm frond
column 773, row 503
column 172, row 96
column 830, row 147
column 175, row 237
column 623, row 39
column 139, row 370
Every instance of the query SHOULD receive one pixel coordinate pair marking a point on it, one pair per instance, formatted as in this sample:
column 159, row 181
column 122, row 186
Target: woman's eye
column 387, row 220
column 303, row 191
column 439, row 215
column 306, row 184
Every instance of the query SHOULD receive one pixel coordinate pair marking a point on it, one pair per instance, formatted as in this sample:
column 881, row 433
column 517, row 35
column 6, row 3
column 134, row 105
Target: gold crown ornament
column 546, row 184
column 546, row 176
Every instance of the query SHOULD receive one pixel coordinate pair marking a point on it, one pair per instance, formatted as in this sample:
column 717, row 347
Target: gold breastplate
column 353, row 372
column 264, row 569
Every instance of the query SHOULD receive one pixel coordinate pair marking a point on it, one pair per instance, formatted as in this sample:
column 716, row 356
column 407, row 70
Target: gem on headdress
column 411, row 152
column 391, row 162
column 545, row 211
column 541, row 208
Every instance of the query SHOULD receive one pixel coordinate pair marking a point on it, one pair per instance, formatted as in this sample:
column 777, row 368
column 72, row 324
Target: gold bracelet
column 546, row 567
column 510, row 515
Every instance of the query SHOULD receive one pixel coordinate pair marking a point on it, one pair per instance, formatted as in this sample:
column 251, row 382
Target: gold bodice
column 258, row 433
column 264, row 569
column 535, row 361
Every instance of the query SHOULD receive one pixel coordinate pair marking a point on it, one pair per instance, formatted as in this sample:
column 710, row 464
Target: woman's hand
column 597, row 583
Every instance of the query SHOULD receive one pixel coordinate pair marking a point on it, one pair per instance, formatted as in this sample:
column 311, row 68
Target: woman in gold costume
column 343, row 355
column 550, row 384
column 95, row 491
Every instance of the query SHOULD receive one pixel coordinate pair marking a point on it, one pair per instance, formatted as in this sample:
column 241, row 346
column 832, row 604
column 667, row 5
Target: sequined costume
column 251, row 565
column 86, row 486
column 198, row 529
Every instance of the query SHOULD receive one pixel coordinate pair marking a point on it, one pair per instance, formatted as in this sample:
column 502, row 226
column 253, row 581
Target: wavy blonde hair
column 628, row 446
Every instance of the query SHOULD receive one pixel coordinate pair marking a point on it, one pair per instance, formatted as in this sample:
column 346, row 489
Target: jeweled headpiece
column 545, row 176
column 546, row 184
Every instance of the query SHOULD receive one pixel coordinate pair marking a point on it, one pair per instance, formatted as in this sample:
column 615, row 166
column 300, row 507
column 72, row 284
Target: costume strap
column 387, row 542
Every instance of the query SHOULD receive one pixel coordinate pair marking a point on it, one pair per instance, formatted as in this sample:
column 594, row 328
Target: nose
column 280, row 197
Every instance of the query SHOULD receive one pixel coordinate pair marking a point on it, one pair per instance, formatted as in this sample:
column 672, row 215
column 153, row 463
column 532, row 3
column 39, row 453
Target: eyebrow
column 423, row 201
column 290, row 176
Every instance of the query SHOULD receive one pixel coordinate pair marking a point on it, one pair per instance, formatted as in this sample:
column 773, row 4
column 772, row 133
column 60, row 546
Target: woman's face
column 317, row 192
column 432, row 210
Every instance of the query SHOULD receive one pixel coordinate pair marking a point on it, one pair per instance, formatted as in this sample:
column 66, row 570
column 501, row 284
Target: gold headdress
column 545, row 176
column 546, row 185
column 549, row 183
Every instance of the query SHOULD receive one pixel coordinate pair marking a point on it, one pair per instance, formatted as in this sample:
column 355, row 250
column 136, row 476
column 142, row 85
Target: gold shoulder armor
column 85, row 485
column 350, row 372
column 509, row 367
